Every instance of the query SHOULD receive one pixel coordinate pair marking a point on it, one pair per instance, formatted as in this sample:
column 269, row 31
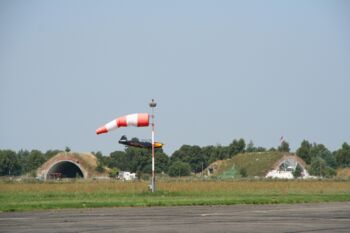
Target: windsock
column 137, row 119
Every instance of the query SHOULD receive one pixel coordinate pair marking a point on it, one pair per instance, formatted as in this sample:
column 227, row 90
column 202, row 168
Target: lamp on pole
column 153, row 104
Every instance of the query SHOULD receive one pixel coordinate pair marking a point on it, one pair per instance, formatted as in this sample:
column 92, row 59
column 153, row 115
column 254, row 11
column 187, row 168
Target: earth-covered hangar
column 69, row 165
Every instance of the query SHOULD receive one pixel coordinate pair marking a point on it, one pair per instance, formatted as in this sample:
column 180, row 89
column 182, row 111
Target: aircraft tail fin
column 123, row 139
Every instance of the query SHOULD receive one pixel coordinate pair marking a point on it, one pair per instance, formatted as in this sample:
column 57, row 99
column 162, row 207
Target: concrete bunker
column 285, row 167
column 70, row 165
column 64, row 169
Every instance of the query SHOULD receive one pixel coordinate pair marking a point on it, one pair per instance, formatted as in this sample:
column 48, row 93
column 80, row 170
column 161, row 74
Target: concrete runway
column 328, row 217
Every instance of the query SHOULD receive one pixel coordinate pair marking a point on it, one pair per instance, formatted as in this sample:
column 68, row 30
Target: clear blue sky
column 219, row 70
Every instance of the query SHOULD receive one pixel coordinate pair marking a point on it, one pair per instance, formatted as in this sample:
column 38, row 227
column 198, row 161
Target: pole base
column 153, row 185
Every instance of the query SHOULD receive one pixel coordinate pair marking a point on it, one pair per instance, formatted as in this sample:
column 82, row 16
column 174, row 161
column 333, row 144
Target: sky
column 218, row 70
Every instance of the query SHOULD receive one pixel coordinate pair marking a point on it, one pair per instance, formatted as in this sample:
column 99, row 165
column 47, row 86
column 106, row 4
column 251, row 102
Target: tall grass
column 16, row 196
column 343, row 173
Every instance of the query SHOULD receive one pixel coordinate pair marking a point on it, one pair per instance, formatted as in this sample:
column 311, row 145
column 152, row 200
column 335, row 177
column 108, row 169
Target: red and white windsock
column 137, row 119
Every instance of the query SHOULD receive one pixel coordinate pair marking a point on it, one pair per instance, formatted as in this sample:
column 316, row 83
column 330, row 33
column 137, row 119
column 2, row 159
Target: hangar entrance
column 64, row 169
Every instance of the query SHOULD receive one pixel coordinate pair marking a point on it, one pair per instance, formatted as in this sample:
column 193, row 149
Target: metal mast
column 153, row 104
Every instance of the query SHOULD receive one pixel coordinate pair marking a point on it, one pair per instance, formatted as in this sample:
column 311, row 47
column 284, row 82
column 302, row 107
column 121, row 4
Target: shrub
column 243, row 172
column 113, row 173
column 297, row 172
column 319, row 168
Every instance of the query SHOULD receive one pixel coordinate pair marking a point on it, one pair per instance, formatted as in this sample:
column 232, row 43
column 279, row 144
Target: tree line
column 23, row 162
column 184, row 161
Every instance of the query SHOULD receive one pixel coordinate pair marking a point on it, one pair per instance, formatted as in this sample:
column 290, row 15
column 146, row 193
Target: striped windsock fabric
column 136, row 119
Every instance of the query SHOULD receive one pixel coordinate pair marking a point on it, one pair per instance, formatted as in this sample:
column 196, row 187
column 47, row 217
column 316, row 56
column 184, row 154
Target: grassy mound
column 251, row 164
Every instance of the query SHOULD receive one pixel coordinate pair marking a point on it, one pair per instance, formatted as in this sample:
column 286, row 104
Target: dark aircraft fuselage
column 140, row 144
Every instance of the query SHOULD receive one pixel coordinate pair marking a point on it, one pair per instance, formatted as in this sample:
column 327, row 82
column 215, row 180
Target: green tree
column 330, row 172
column 35, row 159
column 137, row 158
column 99, row 167
column 22, row 156
column 213, row 153
column 161, row 162
column 308, row 151
column 304, row 151
column 210, row 154
column 113, row 173
column 260, row 149
column 118, row 159
column 319, row 150
column 9, row 163
column 284, row 147
column 179, row 168
column 237, row 146
column 319, row 168
column 222, row 152
column 191, row 155
column 298, row 171
column 343, row 156
column 250, row 147
column 183, row 154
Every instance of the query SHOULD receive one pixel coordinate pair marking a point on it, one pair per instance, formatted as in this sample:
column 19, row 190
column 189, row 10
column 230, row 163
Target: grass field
column 15, row 196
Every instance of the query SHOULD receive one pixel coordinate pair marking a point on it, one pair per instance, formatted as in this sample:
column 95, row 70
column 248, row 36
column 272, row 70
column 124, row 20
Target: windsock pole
column 153, row 184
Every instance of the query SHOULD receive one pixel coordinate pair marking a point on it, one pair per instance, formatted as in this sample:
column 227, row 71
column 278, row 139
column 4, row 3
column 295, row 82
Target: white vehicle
column 126, row 176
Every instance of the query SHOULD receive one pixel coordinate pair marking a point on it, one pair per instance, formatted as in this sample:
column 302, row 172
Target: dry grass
column 258, row 187
column 343, row 173
column 74, row 187
column 235, row 186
